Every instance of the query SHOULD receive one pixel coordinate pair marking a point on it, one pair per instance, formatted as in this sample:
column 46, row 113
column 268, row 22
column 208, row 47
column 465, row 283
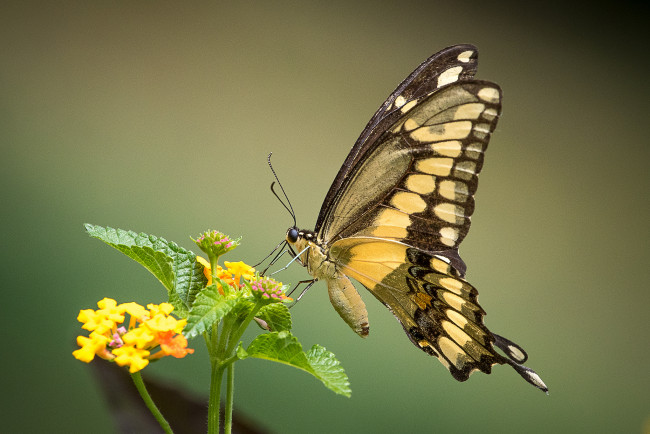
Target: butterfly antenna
column 289, row 207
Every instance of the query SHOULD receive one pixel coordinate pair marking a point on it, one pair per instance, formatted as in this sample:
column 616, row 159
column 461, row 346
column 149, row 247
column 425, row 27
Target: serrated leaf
column 329, row 370
column 276, row 316
column 208, row 308
column 155, row 260
column 283, row 347
column 279, row 347
column 179, row 272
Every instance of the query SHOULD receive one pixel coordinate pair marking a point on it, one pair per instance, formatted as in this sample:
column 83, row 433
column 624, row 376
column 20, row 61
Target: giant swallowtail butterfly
column 399, row 208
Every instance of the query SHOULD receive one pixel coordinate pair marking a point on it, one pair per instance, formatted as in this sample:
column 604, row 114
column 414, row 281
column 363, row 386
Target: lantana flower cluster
column 261, row 287
column 232, row 274
column 131, row 342
column 216, row 243
column 269, row 289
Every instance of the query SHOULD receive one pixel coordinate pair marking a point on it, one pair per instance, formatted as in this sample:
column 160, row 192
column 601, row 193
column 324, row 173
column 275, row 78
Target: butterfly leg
column 309, row 285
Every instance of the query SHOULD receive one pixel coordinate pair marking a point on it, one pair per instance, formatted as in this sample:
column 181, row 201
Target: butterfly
column 401, row 205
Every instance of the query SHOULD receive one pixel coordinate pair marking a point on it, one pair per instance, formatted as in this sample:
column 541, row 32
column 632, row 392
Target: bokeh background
column 158, row 117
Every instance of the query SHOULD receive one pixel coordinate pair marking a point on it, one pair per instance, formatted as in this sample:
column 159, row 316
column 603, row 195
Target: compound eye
column 292, row 235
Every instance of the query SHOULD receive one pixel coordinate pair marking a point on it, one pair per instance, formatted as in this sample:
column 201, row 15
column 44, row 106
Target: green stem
column 226, row 329
column 208, row 341
column 230, row 391
column 234, row 337
column 139, row 384
column 229, row 361
column 215, row 342
column 215, row 398
column 214, row 262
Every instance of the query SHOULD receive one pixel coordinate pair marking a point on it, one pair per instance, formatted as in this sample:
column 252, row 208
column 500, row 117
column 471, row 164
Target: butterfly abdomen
column 348, row 303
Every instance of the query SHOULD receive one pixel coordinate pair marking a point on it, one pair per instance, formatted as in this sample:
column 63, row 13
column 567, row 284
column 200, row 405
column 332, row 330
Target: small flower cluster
column 130, row 345
column 215, row 243
column 232, row 274
column 225, row 242
column 266, row 288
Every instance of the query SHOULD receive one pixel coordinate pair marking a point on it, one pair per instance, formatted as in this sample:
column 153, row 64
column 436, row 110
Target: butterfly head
column 301, row 240
column 292, row 235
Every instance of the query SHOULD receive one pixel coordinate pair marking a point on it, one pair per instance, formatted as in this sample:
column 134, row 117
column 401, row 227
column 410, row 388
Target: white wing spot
column 490, row 114
column 452, row 300
column 474, row 150
column 516, row 352
column 448, row 131
column 454, row 190
column 469, row 111
column 452, row 284
column 456, row 333
column 450, row 213
column 392, row 217
column 443, row 258
column 410, row 125
column 465, row 170
column 408, row 202
column 449, row 76
column 435, row 166
column 423, row 184
column 465, row 56
column 449, row 236
column 409, row 106
column 439, row 265
column 457, row 318
column 453, row 352
column 489, row 94
column 450, row 148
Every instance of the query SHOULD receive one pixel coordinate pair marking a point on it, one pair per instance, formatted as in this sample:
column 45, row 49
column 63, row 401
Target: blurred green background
column 158, row 117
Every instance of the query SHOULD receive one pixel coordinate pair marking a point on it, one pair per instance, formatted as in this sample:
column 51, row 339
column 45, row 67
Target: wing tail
column 528, row 374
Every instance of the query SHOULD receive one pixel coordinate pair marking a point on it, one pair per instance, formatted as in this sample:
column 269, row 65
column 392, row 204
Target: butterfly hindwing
column 438, row 310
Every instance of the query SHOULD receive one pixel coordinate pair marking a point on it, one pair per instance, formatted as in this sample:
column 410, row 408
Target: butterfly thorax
column 311, row 253
column 344, row 297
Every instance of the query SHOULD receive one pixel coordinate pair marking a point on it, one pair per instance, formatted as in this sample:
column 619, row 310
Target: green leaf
column 283, row 347
column 208, row 308
column 175, row 267
column 279, row 347
column 329, row 370
column 276, row 316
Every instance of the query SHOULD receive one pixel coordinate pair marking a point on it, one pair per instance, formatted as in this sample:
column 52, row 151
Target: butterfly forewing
column 447, row 66
column 423, row 174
